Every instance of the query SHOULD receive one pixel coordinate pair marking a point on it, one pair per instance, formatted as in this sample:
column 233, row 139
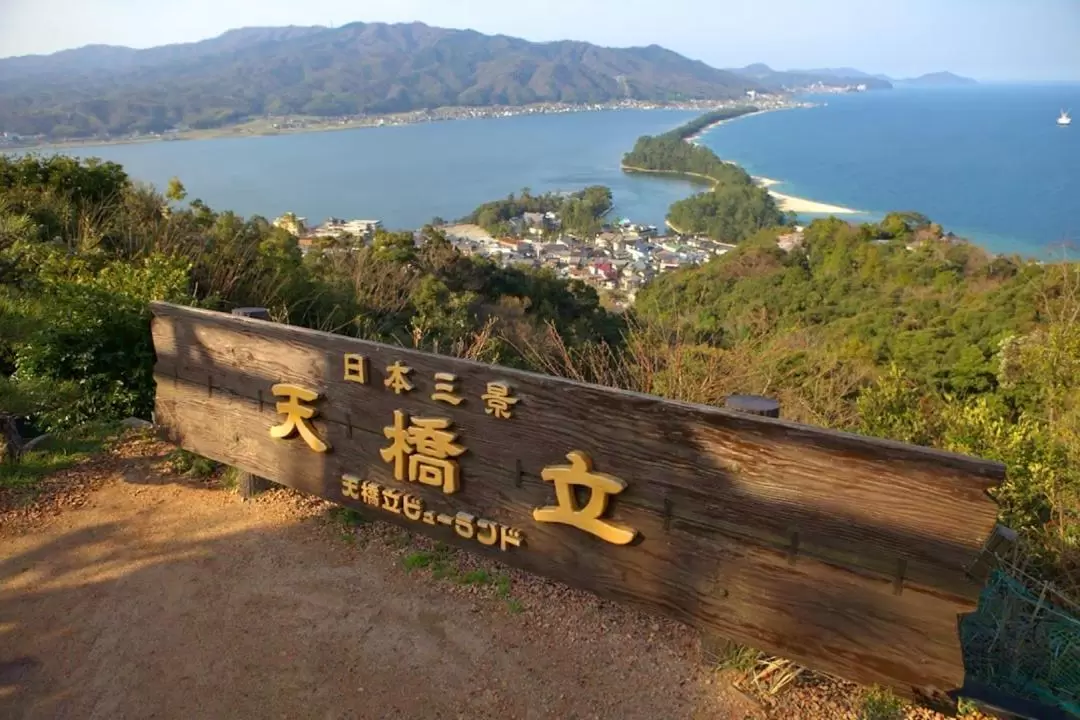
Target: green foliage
column 734, row 209
column 738, row 658
column 87, row 183
column 60, row 451
column 176, row 190
column 182, row 462
column 418, row 560
column 92, row 333
column 878, row 299
column 475, row 577
column 35, row 396
column 579, row 212
column 729, row 213
column 880, row 704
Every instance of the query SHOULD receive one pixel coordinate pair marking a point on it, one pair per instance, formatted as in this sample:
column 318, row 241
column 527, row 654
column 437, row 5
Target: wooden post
column 997, row 551
column 250, row 485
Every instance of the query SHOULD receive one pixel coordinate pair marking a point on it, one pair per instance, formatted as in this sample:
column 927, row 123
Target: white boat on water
column 1064, row 118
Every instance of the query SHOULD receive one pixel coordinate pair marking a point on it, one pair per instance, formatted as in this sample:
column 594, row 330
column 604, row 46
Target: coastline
column 701, row 133
column 786, row 203
column 293, row 125
column 791, row 203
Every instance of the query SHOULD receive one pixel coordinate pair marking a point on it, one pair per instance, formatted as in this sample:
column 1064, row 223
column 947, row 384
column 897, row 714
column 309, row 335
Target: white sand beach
column 790, row 203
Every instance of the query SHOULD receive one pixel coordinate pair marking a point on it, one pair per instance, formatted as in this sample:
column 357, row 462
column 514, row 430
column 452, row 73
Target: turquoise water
column 406, row 175
column 988, row 163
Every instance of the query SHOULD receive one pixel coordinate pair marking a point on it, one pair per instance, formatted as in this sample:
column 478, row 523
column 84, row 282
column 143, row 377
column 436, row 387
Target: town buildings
column 619, row 260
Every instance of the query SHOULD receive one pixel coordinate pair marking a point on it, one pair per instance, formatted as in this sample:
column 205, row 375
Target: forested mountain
column 357, row 68
column 789, row 79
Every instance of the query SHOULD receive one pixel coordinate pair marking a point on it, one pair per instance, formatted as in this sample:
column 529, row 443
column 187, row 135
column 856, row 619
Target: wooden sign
column 844, row 553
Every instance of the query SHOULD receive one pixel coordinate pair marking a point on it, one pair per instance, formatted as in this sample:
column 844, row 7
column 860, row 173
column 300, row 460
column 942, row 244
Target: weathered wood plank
column 843, row 552
column 851, row 500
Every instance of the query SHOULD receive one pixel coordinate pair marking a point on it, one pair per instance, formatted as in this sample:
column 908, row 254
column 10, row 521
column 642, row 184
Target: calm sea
column 988, row 163
column 406, row 175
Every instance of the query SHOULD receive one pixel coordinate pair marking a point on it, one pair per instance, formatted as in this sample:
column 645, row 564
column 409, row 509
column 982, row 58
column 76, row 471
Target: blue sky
column 987, row 39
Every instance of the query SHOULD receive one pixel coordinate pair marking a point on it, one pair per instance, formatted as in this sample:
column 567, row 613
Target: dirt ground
column 130, row 592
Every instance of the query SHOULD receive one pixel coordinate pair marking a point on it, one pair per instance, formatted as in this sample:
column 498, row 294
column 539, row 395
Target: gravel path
column 127, row 591
column 153, row 596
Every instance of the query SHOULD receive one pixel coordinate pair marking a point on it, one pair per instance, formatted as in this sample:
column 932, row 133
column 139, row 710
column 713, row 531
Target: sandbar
column 790, row 203
column 697, row 136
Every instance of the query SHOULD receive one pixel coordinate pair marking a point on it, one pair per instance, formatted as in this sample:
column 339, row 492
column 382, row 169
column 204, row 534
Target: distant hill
column 938, row 79
column 842, row 72
column 792, row 79
column 357, row 68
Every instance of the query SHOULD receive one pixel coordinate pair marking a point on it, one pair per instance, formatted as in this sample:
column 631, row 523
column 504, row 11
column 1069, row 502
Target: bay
column 987, row 162
column 406, row 175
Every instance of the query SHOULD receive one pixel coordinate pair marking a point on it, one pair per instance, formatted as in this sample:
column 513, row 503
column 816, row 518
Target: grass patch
column 346, row 520
column 59, row 452
column 502, row 590
column 442, row 564
column 347, row 517
column 418, row 560
column 736, row 657
column 502, row 585
column 880, row 704
column 230, row 479
column 475, row 577
column 182, row 462
column 756, row 671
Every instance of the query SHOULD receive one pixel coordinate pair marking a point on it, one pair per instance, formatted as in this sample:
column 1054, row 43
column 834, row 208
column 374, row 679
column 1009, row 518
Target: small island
column 938, row 79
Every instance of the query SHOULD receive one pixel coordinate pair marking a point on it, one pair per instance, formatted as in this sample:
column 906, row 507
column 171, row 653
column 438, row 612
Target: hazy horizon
column 990, row 40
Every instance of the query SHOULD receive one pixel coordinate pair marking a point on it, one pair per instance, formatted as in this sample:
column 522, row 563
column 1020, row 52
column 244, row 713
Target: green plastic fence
column 1020, row 642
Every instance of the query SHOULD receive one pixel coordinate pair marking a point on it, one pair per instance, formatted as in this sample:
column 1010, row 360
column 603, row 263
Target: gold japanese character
column 509, row 536
column 464, row 525
column 296, row 415
column 356, row 368
column 350, row 486
column 392, row 500
column 371, row 493
column 497, row 400
column 487, row 532
column 429, row 447
column 602, row 486
column 444, row 389
column 414, row 507
column 397, row 378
